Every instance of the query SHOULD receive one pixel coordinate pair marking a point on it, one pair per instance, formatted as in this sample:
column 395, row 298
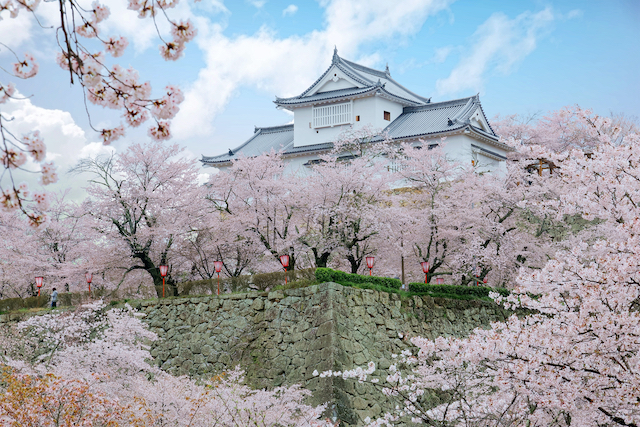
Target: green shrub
column 329, row 275
column 458, row 291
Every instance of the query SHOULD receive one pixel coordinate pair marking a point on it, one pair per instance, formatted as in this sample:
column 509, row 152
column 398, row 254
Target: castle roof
column 366, row 81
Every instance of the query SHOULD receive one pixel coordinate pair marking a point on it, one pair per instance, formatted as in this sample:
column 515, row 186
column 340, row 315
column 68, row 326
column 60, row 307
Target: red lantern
column 89, row 277
column 218, row 266
column 484, row 280
column 163, row 272
column 425, row 269
column 369, row 263
column 284, row 260
column 39, row 281
column 440, row 280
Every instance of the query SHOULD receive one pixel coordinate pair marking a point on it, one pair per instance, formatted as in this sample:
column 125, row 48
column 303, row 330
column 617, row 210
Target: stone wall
column 281, row 337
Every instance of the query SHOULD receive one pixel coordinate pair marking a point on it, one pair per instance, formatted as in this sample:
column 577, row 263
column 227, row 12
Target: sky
column 522, row 57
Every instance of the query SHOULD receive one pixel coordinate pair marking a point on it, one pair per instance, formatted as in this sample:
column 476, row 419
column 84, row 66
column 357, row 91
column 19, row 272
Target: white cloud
column 500, row 45
column 15, row 31
column 290, row 10
column 442, row 54
column 258, row 4
column 286, row 66
column 66, row 142
column 575, row 13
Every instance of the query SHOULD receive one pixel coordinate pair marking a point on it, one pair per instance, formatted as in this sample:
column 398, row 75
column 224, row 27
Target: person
column 54, row 298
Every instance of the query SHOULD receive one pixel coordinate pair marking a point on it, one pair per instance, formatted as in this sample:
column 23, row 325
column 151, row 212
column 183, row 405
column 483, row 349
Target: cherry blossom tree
column 19, row 263
column 560, row 130
column 573, row 358
column 263, row 200
column 343, row 209
column 83, row 53
column 145, row 203
column 221, row 241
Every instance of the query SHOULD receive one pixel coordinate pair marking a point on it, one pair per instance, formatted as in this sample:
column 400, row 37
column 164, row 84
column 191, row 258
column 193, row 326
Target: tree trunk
column 171, row 290
column 321, row 261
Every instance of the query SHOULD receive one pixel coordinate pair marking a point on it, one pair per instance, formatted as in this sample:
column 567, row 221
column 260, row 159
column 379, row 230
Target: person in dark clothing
column 54, row 298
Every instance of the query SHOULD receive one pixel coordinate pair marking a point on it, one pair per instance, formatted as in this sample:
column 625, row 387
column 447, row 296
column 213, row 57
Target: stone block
column 276, row 295
column 360, row 403
column 185, row 353
column 325, row 329
column 258, row 304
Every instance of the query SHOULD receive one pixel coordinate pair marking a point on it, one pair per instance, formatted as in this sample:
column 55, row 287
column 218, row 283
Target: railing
column 332, row 115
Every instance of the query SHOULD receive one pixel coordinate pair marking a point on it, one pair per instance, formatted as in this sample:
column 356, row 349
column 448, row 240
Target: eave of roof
column 343, row 95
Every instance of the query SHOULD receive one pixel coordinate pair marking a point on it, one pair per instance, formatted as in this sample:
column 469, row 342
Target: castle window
column 387, row 116
column 332, row 115
column 357, row 118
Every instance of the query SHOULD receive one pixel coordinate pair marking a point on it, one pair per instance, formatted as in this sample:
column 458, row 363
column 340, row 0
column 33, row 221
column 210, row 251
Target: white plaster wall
column 371, row 111
column 331, row 85
column 303, row 135
column 383, row 105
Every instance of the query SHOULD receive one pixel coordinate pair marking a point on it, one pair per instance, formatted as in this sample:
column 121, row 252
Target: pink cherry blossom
column 12, row 158
column 48, row 174
column 116, row 46
column 160, row 132
column 183, row 31
column 35, row 145
column 88, row 30
column 172, row 51
column 9, row 200
column 42, row 200
column 135, row 116
column 100, row 12
column 110, row 135
column 10, row 6
column 6, row 92
column 27, row 68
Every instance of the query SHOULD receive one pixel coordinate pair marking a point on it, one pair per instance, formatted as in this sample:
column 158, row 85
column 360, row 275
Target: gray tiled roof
column 263, row 141
column 415, row 122
column 367, row 77
column 433, row 118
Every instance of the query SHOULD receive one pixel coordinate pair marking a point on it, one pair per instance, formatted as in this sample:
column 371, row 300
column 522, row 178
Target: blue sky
column 521, row 56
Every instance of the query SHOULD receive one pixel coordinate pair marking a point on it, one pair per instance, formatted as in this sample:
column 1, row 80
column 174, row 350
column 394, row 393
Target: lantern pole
column 39, row 281
column 425, row 270
column 284, row 260
column 370, row 260
column 89, row 277
column 163, row 272
column 218, row 266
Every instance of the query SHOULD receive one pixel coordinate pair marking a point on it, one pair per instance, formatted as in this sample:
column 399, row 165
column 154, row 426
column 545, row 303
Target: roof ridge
column 349, row 71
column 359, row 89
column 366, row 69
column 436, row 105
column 427, row 100
column 272, row 129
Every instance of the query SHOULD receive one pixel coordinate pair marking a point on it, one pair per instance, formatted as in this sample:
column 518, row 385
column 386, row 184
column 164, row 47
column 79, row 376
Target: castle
column 349, row 96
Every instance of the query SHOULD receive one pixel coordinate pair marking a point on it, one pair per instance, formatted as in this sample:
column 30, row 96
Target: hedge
column 460, row 291
column 329, row 275
column 14, row 304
